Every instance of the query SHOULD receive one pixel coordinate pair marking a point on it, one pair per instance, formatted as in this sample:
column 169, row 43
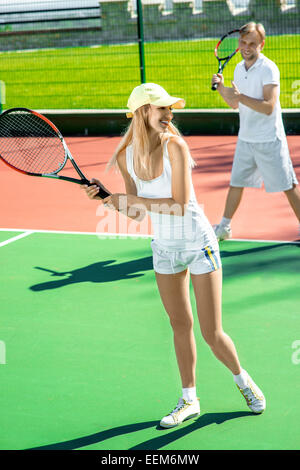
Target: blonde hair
column 252, row 26
column 137, row 136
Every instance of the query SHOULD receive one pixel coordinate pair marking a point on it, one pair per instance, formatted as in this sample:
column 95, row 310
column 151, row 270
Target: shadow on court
column 103, row 271
column 257, row 249
column 110, row 270
column 156, row 443
column 273, row 258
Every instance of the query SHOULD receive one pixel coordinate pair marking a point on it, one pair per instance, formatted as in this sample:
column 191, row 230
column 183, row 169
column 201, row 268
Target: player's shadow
column 102, row 271
column 257, row 262
column 258, row 249
column 110, row 270
column 166, row 436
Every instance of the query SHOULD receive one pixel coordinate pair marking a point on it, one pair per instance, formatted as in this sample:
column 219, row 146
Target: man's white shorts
column 266, row 162
column 199, row 261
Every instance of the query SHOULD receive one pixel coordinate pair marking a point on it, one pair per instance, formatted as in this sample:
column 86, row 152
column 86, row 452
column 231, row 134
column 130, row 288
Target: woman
column 155, row 163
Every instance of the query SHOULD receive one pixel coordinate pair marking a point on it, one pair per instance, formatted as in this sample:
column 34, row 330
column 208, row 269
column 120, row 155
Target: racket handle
column 214, row 86
column 102, row 192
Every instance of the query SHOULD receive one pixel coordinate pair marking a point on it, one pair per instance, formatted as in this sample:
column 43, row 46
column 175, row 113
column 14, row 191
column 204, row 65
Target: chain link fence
column 85, row 54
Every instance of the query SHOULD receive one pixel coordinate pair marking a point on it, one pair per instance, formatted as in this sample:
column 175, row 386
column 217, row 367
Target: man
column 261, row 153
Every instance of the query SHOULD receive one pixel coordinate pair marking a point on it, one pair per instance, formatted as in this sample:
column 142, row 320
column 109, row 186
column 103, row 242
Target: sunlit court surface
column 87, row 350
column 87, row 356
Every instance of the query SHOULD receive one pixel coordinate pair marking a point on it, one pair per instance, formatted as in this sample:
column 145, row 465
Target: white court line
column 17, row 237
column 137, row 235
column 64, row 232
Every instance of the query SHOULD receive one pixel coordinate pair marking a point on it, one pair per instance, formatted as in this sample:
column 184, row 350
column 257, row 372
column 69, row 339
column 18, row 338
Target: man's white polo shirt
column 254, row 126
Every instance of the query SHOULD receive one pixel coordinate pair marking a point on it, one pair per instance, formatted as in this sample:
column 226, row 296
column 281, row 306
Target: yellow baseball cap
column 151, row 93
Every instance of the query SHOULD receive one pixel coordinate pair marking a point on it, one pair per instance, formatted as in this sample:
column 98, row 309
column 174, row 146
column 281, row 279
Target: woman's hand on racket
column 217, row 78
column 93, row 190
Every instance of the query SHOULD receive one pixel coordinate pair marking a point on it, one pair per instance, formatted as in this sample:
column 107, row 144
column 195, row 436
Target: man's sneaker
column 222, row 233
column 254, row 396
column 182, row 412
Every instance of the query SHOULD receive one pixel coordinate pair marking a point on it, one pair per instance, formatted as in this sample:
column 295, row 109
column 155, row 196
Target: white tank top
column 189, row 232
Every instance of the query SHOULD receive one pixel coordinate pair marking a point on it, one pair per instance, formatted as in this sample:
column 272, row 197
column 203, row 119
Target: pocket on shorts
column 156, row 250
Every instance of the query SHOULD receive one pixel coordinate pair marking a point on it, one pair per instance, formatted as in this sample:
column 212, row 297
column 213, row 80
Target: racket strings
column 228, row 46
column 30, row 144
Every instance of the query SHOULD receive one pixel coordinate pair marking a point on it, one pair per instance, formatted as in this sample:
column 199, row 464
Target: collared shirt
column 255, row 126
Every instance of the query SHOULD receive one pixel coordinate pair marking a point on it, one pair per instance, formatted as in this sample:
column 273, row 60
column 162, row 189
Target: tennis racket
column 32, row 145
column 226, row 48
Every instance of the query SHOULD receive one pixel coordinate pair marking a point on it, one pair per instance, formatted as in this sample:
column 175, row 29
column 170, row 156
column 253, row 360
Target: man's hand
column 236, row 93
column 231, row 95
column 217, row 78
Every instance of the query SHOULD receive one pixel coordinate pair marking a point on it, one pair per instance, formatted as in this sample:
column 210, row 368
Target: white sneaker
column 182, row 412
column 222, row 233
column 254, row 396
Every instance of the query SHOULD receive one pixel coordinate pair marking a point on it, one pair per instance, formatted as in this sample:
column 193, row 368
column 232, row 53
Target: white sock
column 241, row 379
column 189, row 394
column 225, row 222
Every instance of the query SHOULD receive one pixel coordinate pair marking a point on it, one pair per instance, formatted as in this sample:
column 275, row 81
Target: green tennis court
column 89, row 360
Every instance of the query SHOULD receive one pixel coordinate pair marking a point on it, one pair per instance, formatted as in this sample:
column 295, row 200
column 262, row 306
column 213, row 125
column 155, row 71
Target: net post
column 141, row 40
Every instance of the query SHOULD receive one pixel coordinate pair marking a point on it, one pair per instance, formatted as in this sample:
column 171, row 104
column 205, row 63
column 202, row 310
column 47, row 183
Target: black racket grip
column 102, row 192
column 214, row 86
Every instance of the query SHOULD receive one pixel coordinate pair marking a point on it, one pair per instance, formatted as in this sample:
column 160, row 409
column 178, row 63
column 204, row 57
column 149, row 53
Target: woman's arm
column 180, row 162
column 134, row 211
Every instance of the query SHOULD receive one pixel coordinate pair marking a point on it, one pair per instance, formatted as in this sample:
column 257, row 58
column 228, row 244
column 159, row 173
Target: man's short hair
column 252, row 26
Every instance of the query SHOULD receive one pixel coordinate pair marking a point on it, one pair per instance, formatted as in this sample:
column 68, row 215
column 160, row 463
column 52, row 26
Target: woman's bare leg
column 175, row 295
column 208, row 293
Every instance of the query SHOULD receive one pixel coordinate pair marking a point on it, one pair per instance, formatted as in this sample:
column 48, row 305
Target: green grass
column 102, row 77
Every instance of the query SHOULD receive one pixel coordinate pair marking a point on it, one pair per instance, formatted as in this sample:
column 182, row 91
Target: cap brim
column 179, row 104
column 176, row 103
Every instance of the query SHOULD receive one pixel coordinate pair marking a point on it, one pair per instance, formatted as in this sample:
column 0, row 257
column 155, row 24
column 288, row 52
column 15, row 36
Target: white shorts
column 200, row 261
column 266, row 162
